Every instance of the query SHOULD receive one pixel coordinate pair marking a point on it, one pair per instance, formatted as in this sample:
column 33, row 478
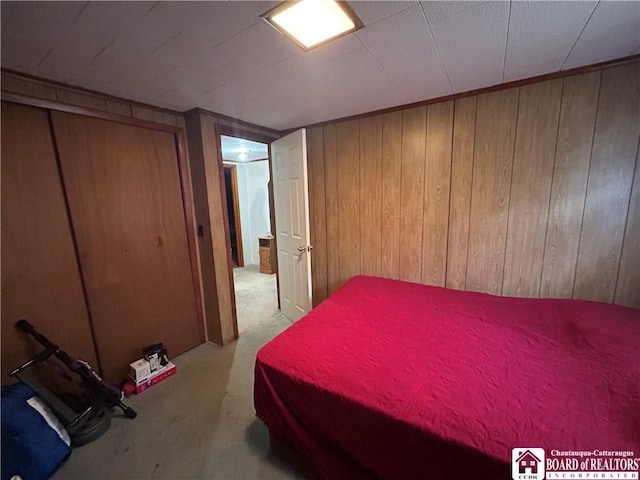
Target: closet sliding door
column 40, row 275
column 125, row 199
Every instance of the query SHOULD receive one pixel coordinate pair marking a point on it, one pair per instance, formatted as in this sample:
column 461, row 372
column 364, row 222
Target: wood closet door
column 40, row 274
column 124, row 194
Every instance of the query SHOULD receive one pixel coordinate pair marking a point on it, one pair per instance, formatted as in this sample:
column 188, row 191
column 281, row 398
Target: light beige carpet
column 198, row 424
column 256, row 297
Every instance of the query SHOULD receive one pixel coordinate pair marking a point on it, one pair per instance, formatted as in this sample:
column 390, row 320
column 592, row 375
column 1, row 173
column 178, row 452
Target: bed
column 389, row 379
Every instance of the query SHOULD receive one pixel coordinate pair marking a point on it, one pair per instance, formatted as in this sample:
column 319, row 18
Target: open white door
column 291, row 198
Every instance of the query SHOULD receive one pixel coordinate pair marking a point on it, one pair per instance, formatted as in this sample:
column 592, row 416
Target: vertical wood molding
column 391, row 181
column 317, row 212
column 331, row 202
column 609, row 185
column 348, row 154
column 461, row 180
column 371, row 195
column 537, row 128
column 414, row 123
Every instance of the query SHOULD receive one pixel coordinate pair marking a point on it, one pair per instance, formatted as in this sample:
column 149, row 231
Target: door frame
column 233, row 170
column 221, row 129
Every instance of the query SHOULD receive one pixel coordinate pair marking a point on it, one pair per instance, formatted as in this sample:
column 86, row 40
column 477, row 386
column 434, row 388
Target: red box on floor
column 169, row 370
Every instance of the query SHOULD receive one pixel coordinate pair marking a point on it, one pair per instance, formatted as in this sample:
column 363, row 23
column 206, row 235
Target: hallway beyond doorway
column 256, row 297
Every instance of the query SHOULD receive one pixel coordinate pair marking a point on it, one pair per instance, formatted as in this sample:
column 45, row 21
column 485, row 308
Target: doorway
column 247, row 174
column 233, row 213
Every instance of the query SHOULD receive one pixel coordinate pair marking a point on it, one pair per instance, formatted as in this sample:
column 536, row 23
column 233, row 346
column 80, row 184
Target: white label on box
column 139, row 370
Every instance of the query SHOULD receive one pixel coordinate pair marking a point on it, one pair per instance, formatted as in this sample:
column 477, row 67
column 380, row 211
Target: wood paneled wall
column 531, row 191
column 45, row 90
column 214, row 276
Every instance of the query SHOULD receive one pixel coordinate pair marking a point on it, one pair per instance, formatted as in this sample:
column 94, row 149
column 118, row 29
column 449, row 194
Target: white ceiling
column 233, row 147
column 222, row 57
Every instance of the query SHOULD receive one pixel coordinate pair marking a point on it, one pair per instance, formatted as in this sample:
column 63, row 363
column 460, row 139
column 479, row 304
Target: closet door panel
column 124, row 194
column 40, row 274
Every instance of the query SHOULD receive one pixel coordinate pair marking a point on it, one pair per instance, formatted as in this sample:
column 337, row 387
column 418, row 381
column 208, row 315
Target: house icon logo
column 527, row 463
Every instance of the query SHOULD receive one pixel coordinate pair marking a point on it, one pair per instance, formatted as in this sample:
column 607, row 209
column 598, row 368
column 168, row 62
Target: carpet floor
column 256, row 296
column 197, row 424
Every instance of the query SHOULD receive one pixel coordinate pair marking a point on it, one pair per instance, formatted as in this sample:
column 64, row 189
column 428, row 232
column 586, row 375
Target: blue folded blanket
column 31, row 448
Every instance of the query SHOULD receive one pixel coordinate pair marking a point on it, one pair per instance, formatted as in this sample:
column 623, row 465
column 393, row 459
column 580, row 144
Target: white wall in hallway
column 253, row 179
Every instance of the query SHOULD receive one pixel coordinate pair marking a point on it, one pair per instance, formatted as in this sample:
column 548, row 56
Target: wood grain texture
column 628, row 285
column 186, row 180
column 25, row 86
column 609, row 186
column 317, row 213
column 536, row 133
column 82, row 99
column 437, row 182
column 205, row 242
column 514, row 224
column 568, row 189
column 40, row 274
column 44, row 94
column 461, row 180
column 333, row 222
column 493, row 161
column 165, row 118
column 216, row 198
column 124, row 194
column 348, row 154
column 414, row 122
column 121, row 108
column 391, row 187
column 371, row 195
column 62, row 94
column 209, row 202
column 143, row 113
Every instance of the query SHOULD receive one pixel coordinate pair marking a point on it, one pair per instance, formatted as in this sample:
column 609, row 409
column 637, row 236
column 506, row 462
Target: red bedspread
column 396, row 380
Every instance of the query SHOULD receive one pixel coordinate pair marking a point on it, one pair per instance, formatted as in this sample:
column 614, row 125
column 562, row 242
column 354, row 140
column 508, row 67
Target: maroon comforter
column 393, row 380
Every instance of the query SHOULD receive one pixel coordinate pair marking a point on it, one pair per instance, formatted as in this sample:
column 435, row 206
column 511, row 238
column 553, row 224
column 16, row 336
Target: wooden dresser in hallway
column 267, row 249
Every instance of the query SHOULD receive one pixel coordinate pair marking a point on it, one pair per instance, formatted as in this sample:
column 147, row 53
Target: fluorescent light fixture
column 311, row 23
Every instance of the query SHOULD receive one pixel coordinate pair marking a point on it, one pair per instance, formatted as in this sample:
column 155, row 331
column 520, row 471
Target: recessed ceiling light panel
column 311, row 23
